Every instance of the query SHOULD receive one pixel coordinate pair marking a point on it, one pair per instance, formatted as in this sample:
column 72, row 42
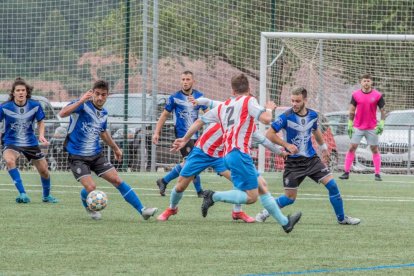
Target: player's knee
column 251, row 199
column 90, row 187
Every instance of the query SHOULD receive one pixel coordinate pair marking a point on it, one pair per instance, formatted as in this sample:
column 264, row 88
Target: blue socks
column 173, row 174
column 335, row 199
column 233, row 196
column 197, row 184
column 84, row 195
column 175, row 198
column 270, row 205
column 283, row 201
column 15, row 175
column 46, row 186
column 130, row 196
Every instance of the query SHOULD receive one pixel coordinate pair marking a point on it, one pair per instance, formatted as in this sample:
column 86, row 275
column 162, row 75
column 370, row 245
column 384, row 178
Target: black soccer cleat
column 378, row 177
column 344, row 176
column 162, row 186
column 200, row 194
column 293, row 219
column 207, row 202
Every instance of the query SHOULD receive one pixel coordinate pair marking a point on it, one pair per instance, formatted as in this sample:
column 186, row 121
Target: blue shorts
column 197, row 161
column 243, row 172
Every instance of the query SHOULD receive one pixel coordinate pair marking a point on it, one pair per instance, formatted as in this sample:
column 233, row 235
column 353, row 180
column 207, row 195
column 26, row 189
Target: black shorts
column 83, row 165
column 31, row 153
column 185, row 151
column 296, row 169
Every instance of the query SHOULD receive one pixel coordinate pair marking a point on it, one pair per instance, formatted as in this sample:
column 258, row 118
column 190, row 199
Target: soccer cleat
column 149, row 212
column 344, row 176
column 200, row 194
column 95, row 215
column 207, row 202
column 162, row 186
column 22, row 198
column 262, row 216
column 50, row 199
column 243, row 216
column 378, row 177
column 350, row 221
column 167, row 213
column 292, row 220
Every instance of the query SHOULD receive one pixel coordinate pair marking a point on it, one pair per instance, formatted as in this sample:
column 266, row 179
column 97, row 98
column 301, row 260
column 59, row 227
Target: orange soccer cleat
column 167, row 213
column 243, row 216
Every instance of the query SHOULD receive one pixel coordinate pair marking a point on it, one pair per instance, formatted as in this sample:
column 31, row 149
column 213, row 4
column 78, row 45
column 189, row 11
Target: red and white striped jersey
column 237, row 119
column 211, row 141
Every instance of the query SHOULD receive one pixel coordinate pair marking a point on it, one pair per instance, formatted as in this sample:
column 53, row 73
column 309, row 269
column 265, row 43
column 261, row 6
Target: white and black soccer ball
column 97, row 200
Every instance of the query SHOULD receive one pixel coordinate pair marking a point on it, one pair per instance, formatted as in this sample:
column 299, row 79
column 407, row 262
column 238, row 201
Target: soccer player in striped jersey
column 184, row 114
column 300, row 123
column 88, row 123
column 18, row 116
column 237, row 118
column 363, row 123
column 208, row 152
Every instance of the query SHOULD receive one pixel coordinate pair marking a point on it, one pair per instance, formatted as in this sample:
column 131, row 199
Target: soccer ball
column 97, row 200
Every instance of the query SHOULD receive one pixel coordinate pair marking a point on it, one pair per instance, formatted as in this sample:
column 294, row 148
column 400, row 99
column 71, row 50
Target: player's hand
column 270, row 105
column 87, row 96
column 118, row 154
column 43, row 140
column 193, row 101
column 178, row 144
column 350, row 128
column 155, row 138
column 284, row 154
column 380, row 127
column 292, row 149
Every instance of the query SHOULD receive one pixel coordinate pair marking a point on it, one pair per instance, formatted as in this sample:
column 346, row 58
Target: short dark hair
column 187, row 72
column 101, row 84
column 240, row 84
column 20, row 81
column 365, row 76
column 300, row 91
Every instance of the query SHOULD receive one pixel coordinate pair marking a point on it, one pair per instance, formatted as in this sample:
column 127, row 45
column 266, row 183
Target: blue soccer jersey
column 85, row 127
column 184, row 113
column 18, row 123
column 298, row 130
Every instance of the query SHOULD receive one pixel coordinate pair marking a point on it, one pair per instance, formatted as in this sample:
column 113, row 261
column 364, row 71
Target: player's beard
column 299, row 109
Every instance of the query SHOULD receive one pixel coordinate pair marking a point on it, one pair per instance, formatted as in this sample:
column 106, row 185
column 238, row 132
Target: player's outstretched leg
column 173, row 209
column 281, row 201
column 132, row 198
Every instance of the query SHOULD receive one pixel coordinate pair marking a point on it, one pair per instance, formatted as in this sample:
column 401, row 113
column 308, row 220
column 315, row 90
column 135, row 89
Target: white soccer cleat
column 350, row 221
column 149, row 212
column 262, row 216
column 94, row 214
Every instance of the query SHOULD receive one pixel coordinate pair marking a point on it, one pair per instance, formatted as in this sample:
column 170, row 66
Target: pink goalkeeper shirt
column 366, row 108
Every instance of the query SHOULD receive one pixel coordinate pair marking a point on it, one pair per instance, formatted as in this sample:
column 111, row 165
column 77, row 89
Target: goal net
column 329, row 65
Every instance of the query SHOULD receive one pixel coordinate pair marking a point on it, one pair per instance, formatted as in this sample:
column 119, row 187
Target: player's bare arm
column 106, row 137
column 181, row 142
column 352, row 109
column 161, row 121
column 67, row 110
column 41, row 129
column 267, row 116
column 322, row 146
column 274, row 138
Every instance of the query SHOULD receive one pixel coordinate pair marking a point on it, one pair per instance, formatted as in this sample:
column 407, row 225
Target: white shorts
column 369, row 134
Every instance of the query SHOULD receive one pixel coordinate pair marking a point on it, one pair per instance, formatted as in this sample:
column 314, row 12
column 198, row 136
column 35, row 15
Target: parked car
column 276, row 163
column 137, row 133
column 51, row 124
column 396, row 143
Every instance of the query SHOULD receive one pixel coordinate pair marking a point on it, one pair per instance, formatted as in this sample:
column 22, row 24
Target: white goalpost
column 329, row 64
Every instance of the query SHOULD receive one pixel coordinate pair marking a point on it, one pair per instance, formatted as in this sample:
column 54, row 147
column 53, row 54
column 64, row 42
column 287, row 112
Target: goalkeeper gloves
column 380, row 127
column 350, row 128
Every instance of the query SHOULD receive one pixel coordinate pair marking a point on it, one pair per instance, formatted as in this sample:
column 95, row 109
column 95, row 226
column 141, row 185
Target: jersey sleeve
column 211, row 116
column 40, row 114
column 381, row 102
column 1, row 113
column 279, row 123
column 169, row 106
column 315, row 125
column 353, row 101
column 255, row 110
column 79, row 108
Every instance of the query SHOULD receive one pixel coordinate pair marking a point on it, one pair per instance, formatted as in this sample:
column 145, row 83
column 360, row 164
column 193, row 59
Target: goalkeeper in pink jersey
column 363, row 123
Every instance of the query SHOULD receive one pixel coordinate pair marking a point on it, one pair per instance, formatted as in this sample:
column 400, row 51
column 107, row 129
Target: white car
column 396, row 143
